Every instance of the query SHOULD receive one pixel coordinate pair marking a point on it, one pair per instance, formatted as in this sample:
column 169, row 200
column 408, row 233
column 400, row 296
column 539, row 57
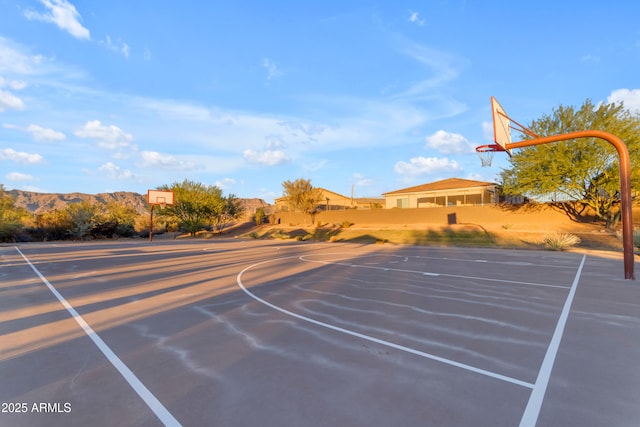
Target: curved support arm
column 625, row 183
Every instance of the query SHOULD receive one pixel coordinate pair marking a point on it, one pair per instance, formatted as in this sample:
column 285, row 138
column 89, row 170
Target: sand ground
column 510, row 226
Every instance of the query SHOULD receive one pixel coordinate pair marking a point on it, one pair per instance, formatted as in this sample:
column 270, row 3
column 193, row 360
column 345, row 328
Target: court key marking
column 370, row 338
column 427, row 273
column 536, row 398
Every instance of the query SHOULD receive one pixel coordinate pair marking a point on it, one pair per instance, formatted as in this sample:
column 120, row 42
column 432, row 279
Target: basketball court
column 248, row 332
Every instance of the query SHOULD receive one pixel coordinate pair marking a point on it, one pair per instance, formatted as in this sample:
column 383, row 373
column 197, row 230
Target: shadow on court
column 322, row 334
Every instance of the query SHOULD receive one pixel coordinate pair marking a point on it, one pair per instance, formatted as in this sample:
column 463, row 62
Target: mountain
column 43, row 202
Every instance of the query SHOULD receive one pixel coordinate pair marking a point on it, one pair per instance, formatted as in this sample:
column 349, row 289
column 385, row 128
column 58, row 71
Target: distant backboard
column 501, row 125
column 157, row 197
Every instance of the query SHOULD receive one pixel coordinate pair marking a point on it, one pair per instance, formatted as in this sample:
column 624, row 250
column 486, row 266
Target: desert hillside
column 43, row 202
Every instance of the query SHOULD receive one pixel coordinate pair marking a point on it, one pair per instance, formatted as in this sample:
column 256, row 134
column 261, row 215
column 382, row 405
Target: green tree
column 83, row 217
column 195, row 204
column 115, row 219
column 584, row 170
column 53, row 225
column 11, row 217
column 230, row 209
column 302, row 196
column 259, row 216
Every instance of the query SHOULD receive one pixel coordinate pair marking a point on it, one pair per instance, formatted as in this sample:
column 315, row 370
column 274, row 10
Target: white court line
column 427, row 273
column 530, row 416
column 372, row 339
column 152, row 402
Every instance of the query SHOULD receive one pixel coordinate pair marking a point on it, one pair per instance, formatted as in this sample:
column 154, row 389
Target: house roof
column 445, row 184
column 362, row 200
column 325, row 193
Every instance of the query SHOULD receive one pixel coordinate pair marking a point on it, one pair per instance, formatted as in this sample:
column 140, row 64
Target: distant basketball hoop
column 157, row 198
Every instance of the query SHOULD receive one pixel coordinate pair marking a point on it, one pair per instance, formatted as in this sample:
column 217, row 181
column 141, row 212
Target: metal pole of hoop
column 153, row 205
column 625, row 183
column 151, row 223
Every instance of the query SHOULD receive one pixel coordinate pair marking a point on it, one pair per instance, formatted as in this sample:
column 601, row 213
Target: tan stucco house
column 447, row 192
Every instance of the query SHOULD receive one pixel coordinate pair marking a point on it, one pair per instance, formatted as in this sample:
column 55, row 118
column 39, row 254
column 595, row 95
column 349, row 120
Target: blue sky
column 379, row 95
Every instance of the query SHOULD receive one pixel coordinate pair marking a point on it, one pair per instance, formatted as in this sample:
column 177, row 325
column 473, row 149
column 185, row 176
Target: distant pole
column 352, row 194
column 151, row 224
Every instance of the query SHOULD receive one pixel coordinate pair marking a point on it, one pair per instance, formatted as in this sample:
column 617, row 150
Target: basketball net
column 486, row 152
column 486, row 158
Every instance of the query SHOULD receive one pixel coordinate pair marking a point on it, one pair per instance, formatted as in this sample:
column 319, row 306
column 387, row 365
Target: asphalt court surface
column 246, row 333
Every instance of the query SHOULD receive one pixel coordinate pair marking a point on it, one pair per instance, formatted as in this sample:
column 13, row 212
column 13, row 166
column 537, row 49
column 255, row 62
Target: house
column 334, row 201
column 447, row 192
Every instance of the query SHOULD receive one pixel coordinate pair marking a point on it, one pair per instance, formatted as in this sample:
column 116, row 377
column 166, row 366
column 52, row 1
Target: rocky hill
column 43, row 202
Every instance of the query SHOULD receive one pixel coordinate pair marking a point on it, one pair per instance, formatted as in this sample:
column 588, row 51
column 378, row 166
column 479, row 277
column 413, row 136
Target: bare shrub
column 561, row 241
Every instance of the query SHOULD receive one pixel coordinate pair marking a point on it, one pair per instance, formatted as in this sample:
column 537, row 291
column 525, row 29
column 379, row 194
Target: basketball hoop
column 486, row 152
column 502, row 126
column 157, row 198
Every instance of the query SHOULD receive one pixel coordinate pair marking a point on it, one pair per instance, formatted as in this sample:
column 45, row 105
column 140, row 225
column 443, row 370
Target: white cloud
column 15, row 59
column 109, row 137
column 17, row 84
column 13, row 84
column 31, row 188
column 175, row 110
column 63, row 14
column 630, row 97
column 118, row 46
column 225, row 183
column 115, row 171
column 19, row 156
column 272, row 69
column 17, row 176
column 360, row 180
column 414, row 17
column 44, row 134
column 426, row 166
column 374, row 123
column 314, row 165
column 448, row 143
column 164, row 161
column 10, row 101
column 266, row 157
column 38, row 133
column 308, row 130
column 444, row 68
column 590, row 58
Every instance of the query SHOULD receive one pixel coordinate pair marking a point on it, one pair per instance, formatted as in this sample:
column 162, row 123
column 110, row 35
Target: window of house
column 402, row 203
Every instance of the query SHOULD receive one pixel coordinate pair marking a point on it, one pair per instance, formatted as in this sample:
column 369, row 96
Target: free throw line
column 427, row 273
column 152, row 402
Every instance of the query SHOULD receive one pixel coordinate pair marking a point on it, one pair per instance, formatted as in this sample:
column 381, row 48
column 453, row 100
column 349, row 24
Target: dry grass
column 457, row 235
column 561, row 241
column 484, row 226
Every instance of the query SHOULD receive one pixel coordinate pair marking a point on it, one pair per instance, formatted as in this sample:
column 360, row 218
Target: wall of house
column 500, row 215
column 465, row 197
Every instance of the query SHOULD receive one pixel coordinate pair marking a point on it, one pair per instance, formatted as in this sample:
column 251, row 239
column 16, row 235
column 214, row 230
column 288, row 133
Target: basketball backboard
column 157, row 197
column 501, row 125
